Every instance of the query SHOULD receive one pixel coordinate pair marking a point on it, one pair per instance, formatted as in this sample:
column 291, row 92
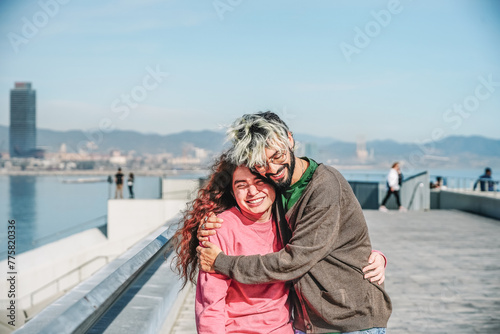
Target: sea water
column 47, row 208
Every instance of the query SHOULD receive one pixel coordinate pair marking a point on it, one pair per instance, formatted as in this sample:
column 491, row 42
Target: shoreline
column 159, row 173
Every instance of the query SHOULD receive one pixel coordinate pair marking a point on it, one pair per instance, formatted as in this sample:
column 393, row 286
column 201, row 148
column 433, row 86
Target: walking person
column 322, row 227
column 119, row 184
column 130, row 183
column 393, row 183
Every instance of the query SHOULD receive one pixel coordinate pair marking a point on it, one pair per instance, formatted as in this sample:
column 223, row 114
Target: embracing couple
column 284, row 243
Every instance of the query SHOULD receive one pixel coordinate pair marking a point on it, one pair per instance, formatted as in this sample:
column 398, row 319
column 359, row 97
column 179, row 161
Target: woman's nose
column 252, row 190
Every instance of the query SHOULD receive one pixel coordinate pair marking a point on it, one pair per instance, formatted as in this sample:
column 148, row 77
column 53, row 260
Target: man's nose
column 271, row 168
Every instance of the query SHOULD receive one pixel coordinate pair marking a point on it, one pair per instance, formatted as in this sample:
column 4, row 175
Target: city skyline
column 402, row 70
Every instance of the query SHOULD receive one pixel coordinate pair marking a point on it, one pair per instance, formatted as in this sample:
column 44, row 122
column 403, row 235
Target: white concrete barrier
column 49, row 271
column 131, row 218
column 481, row 203
column 179, row 188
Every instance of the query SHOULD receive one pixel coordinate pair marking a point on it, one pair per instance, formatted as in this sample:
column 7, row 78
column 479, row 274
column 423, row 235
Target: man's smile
column 279, row 175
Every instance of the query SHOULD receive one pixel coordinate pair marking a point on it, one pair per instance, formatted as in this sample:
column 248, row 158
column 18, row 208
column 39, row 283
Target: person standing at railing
column 130, row 183
column 394, row 181
column 483, row 183
column 119, row 183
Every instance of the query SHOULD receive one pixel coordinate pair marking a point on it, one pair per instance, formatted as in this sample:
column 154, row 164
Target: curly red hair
column 215, row 196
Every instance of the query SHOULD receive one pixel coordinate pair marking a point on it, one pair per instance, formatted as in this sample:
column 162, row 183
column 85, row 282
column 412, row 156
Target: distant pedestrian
column 394, row 181
column 484, row 184
column 438, row 184
column 119, row 183
column 130, row 183
column 110, row 184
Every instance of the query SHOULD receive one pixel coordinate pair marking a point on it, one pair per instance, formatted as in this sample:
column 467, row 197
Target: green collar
column 291, row 195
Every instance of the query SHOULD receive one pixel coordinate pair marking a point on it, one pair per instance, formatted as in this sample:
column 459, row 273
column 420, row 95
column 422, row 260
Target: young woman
column 393, row 183
column 245, row 201
column 130, row 183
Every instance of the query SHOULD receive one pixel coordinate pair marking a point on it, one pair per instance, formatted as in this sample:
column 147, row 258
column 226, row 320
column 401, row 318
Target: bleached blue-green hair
column 251, row 134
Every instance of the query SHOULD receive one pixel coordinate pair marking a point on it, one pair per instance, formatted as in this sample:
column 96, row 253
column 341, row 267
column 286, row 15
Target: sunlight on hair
column 252, row 134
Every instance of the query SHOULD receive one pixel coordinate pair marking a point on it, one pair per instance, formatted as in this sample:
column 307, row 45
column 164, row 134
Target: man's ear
column 291, row 141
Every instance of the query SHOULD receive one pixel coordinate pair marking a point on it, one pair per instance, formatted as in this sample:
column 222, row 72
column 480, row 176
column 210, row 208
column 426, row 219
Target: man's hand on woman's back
column 207, row 227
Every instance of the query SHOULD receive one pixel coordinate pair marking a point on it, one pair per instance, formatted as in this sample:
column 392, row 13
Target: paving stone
column 443, row 274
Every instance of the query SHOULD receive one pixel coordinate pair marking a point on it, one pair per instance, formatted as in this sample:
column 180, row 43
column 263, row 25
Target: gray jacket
column 323, row 257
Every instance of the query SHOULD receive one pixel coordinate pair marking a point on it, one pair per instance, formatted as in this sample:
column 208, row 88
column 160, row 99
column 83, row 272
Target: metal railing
column 65, row 233
column 71, row 230
column 365, row 177
column 415, row 194
column 416, row 187
column 57, row 282
column 482, row 186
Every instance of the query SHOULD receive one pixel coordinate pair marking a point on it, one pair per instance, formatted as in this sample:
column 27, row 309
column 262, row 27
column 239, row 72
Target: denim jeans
column 375, row 330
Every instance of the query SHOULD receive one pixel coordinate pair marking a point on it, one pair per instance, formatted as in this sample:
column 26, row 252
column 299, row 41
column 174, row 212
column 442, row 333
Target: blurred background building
column 22, row 131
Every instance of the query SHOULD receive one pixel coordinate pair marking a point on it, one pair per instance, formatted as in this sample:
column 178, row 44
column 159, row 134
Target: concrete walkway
column 443, row 274
column 444, row 270
column 185, row 322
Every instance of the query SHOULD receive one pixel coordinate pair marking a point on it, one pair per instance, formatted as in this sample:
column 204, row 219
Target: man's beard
column 285, row 184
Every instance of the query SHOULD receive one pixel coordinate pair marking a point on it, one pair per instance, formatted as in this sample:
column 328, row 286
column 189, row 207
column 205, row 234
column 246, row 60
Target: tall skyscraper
column 22, row 132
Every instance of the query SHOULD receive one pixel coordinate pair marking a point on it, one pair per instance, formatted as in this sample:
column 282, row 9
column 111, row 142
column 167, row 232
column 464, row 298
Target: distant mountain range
column 123, row 140
column 450, row 152
column 450, row 146
column 453, row 151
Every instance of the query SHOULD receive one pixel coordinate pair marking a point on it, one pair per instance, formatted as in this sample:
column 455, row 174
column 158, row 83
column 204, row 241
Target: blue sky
column 225, row 58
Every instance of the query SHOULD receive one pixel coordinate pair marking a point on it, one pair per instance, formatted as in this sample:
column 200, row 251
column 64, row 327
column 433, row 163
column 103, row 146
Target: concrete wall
column 473, row 202
column 133, row 219
column 179, row 188
column 47, row 272
column 367, row 194
column 40, row 267
column 435, row 199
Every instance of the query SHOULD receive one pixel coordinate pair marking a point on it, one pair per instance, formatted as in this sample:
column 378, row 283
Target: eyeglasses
column 277, row 159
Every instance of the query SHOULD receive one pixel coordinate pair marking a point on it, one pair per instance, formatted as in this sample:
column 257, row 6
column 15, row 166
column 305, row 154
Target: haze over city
column 404, row 70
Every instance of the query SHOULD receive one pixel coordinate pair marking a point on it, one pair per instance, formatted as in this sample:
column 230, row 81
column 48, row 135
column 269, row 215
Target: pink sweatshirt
column 227, row 306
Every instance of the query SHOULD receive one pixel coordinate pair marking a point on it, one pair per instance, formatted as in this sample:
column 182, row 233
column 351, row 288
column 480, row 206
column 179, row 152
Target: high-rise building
column 22, row 132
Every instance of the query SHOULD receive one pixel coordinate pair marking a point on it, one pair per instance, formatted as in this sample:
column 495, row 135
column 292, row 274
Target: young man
column 484, row 182
column 119, row 184
column 323, row 227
